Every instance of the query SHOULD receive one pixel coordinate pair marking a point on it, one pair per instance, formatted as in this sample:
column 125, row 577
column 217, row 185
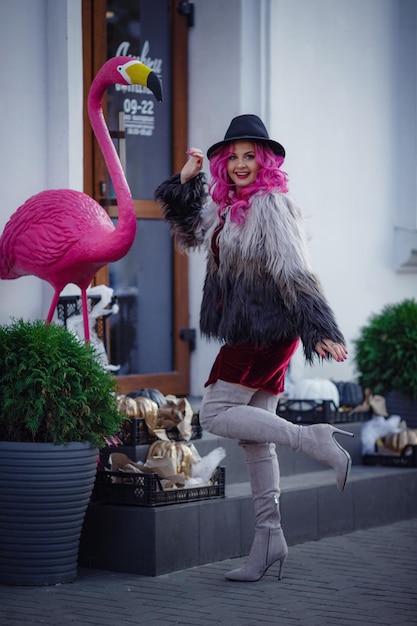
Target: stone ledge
column 157, row 540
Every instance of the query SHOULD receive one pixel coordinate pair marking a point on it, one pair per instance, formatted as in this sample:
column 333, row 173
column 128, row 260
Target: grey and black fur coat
column 263, row 289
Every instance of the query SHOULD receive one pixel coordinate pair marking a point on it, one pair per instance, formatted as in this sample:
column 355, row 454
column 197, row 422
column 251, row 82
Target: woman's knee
column 221, row 396
column 265, row 400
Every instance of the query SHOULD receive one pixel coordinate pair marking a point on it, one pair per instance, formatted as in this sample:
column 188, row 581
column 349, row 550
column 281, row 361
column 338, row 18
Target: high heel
column 339, row 431
column 269, row 546
column 319, row 442
column 281, row 566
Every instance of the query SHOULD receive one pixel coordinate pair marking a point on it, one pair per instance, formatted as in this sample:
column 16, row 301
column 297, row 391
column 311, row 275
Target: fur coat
column 261, row 288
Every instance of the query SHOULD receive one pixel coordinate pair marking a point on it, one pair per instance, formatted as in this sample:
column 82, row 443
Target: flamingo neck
column 126, row 224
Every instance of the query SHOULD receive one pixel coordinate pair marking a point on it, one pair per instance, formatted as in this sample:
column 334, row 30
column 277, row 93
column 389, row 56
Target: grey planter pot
column 44, row 494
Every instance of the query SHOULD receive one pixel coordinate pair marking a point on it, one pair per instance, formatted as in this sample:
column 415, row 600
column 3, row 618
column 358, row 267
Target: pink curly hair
column 269, row 178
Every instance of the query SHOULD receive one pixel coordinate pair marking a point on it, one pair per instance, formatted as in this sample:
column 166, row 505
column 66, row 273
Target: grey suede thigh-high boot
column 225, row 412
column 269, row 545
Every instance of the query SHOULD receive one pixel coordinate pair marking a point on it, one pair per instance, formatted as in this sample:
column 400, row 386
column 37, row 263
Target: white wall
column 405, row 129
column 332, row 103
column 40, row 120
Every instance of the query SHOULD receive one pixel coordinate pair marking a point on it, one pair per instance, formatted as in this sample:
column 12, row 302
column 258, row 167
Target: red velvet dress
column 261, row 367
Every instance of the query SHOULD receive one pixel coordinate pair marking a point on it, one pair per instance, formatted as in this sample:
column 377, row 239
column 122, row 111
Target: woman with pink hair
column 260, row 299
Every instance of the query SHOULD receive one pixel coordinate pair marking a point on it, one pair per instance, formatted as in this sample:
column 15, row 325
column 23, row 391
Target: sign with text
column 140, row 29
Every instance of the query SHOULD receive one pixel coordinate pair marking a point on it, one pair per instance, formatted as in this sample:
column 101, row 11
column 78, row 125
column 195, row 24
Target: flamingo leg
column 84, row 305
column 53, row 306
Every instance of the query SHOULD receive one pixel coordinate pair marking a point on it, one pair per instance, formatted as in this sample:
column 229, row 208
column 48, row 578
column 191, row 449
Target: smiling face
column 242, row 166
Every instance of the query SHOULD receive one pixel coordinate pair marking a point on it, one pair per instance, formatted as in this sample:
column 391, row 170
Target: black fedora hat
column 247, row 127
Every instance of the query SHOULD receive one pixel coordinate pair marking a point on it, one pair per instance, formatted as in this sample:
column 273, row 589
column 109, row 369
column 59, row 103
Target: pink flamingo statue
column 64, row 236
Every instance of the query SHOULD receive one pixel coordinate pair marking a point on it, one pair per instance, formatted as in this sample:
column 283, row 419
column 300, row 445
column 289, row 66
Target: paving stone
column 357, row 579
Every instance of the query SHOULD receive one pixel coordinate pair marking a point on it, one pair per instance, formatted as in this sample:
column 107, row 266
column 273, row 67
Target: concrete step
column 156, row 540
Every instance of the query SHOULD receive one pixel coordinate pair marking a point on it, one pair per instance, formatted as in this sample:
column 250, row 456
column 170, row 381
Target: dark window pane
column 141, row 333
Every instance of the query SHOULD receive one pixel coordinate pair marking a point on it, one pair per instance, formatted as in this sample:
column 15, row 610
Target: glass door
column 146, row 336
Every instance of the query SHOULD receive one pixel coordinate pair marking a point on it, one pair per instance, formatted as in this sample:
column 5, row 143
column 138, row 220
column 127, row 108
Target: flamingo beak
column 136, row 73
column 154, row 84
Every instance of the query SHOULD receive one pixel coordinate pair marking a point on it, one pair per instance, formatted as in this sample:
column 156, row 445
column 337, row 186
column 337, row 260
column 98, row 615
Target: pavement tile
column 357, row 579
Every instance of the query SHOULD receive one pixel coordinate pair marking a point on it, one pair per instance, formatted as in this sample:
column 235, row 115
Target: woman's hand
column 193, row 166
column 336, row 350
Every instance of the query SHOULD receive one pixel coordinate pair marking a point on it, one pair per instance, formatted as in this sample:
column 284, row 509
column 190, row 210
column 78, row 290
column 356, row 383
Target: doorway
column 149, row 337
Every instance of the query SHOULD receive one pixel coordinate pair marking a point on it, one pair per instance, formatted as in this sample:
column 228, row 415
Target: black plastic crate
column 348, row 417
column 407, row 458
column 135, row 432
column 146, row 490
column 397, row 404
column 304, row 411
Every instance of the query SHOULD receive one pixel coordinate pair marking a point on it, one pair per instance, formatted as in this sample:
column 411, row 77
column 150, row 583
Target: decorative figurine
column 64, row 236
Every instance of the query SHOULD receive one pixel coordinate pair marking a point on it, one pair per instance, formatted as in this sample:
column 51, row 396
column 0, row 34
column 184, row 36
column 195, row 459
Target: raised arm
column 182, row 197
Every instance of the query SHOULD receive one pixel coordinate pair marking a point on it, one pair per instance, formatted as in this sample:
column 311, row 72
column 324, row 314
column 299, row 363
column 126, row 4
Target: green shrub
column 386, row 350
column 52, row 387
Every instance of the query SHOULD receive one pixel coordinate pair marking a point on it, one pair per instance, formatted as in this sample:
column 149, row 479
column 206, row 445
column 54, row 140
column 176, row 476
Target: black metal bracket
column 189, row 334
column 187, row 8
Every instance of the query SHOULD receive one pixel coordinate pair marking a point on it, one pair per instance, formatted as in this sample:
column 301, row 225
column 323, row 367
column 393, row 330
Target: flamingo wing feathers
column 63, row 235
column 51, row 228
